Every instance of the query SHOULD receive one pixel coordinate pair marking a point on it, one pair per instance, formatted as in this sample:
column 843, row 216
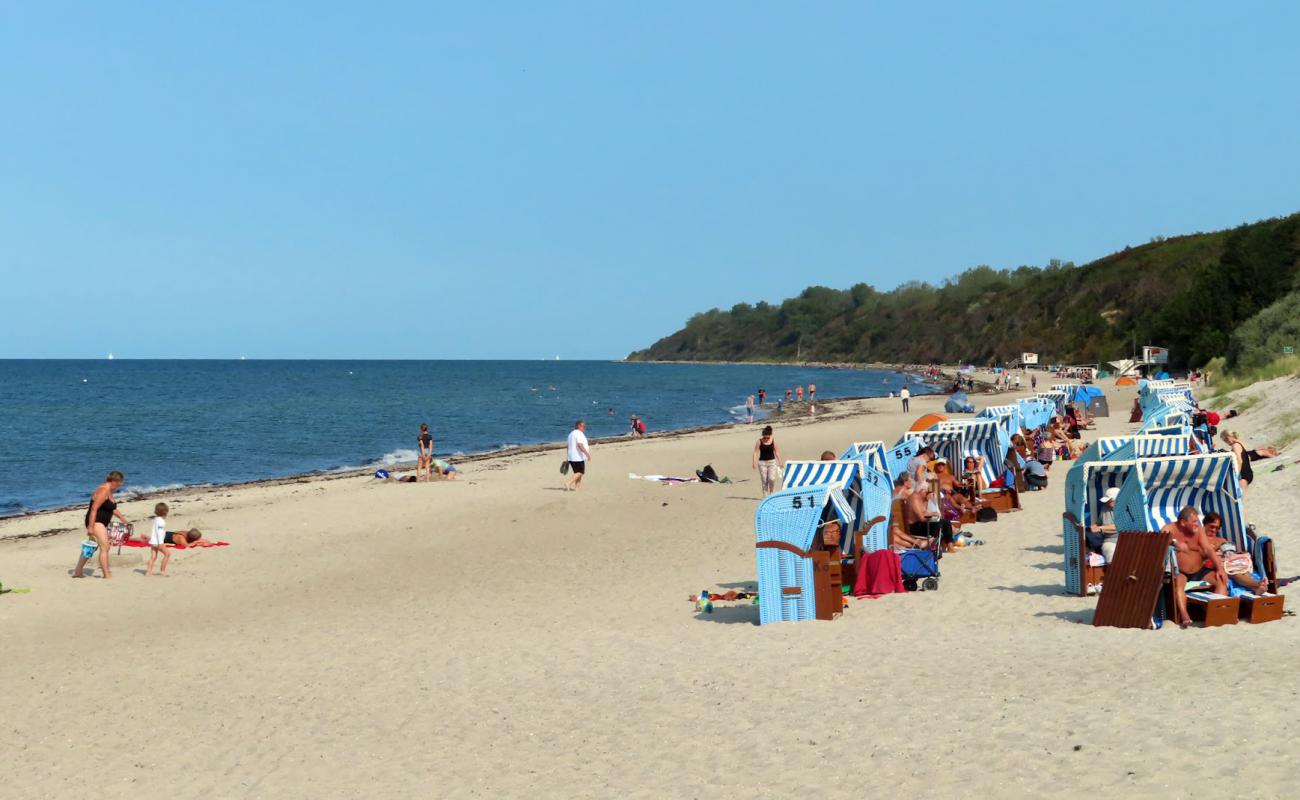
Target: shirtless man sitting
column 899, row 538
column 1194, row 551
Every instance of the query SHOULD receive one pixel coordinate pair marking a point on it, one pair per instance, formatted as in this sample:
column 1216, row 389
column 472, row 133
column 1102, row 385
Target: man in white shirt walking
column 906, row 395
column 578, row 456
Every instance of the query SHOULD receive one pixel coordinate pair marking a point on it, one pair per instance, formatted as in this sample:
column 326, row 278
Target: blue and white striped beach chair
column 984, row 439
column 867, row 490
column 1007, row 416
column 787, row 525
column 1154, row 494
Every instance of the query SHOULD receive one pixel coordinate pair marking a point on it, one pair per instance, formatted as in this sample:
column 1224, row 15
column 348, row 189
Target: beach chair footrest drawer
column 1213, row 609
column 1261, row 608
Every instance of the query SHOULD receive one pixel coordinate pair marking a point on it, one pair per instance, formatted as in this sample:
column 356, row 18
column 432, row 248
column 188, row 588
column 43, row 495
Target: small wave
column 133, row 492
column 394, row 458
column 740, row 413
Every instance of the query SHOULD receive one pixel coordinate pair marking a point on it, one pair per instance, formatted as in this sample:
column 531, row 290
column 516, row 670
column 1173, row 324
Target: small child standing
column 158, row 540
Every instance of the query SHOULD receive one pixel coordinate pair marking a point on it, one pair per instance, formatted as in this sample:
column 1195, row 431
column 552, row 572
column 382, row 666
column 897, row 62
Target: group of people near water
column 99, row 518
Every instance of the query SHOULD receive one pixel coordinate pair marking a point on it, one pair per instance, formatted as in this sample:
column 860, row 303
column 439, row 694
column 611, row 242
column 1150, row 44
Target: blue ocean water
column 65, row 424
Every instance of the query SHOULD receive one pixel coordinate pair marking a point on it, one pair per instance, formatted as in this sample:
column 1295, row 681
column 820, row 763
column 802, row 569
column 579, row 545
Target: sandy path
column 496, row 637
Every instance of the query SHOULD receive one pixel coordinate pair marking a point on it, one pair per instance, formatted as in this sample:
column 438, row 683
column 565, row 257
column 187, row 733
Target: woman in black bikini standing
column 99, row 514
column 425, row 464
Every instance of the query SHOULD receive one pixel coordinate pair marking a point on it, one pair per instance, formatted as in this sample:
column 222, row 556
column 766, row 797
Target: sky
column 527, row 180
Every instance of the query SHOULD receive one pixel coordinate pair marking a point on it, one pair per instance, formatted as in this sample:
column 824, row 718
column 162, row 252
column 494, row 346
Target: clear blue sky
column 406, row 180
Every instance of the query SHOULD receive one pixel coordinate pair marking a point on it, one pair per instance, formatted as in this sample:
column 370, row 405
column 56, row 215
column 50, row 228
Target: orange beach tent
column 927, row 422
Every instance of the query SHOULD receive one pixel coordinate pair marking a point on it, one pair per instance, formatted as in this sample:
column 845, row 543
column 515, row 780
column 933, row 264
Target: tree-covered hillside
column 1188, row 293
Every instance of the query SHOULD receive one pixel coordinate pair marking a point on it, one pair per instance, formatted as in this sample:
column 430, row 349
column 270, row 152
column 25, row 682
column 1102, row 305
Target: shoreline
column 202, row 489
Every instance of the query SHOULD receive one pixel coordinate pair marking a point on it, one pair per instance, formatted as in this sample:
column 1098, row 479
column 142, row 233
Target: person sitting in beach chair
column 899, row 537
column 1212, row 524
column 1197, row 560
column 972, row 479
column 921, row 513
column 950, row 488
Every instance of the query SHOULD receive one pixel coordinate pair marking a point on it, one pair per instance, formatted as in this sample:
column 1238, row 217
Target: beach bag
column 1238, row 564
column 707, row 474
column 564, row 467
column 986, row 514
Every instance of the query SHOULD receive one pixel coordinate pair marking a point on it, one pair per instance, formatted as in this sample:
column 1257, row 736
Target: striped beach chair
column 1057, row 398
column 983, row 438
column 867, row 490
column 1085, row 484
column 1159, row 488
column 1035, row 412
column 790, row 555
column 1007, row 416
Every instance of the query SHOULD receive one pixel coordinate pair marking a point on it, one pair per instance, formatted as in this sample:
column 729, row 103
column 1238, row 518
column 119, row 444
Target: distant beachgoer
column 445, row 469
column 780, row 404
column 767, row 460
column 578, row 454
column 425, row 442
column 1033, row 381
column 99, row 514
column 749, row 408
column 812, row 393
column 788, row 395
column 762, row 395
column 798, row 393
column 610, row 412
column 638, row 427
column 1017, row 381
column 906, row 395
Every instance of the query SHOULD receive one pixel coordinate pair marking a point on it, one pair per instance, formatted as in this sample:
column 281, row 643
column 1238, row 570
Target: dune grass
column 1225, row 383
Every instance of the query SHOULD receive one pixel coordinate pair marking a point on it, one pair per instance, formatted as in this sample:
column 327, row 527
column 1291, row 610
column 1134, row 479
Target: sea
column 169, row 424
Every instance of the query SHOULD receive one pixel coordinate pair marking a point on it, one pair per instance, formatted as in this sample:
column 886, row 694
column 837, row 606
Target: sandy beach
column 495, row 636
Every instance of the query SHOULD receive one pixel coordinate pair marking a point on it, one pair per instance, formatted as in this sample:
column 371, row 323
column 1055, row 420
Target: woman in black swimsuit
column 767, row 460
column 1239, row 455
column 99, row 514
column 423, row 466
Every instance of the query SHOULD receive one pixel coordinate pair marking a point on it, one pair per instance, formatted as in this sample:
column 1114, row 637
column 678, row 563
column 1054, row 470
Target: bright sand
column 496, row 637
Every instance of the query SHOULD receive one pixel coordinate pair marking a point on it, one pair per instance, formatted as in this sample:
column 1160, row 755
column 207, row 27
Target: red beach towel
column 199, row 543
column 879, row 574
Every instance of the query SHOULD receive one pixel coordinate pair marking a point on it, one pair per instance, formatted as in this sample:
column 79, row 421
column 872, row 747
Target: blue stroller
column 920, row 566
